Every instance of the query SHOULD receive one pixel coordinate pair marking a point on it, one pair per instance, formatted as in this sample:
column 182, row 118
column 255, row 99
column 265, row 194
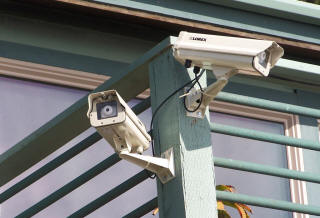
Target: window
column 259, row 152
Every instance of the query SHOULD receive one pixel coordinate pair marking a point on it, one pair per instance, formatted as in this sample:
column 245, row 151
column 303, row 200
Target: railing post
column 192, row 193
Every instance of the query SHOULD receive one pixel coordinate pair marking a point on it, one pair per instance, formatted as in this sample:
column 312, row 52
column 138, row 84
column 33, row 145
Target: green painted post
column 192, row 192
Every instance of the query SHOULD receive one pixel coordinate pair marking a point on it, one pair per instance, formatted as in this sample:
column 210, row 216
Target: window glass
column 252, row 151
column 25, row 106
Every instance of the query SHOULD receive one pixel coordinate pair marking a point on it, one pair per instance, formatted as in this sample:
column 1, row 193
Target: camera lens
column 264, row 58
column 107, row 109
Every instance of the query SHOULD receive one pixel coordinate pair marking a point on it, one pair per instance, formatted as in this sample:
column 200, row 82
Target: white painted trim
column 49, row 74
column 319, row 128
column 292, row 129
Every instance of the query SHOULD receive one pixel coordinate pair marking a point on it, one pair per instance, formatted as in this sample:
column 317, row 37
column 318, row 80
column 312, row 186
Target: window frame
column 292, row 129
column 50, row 74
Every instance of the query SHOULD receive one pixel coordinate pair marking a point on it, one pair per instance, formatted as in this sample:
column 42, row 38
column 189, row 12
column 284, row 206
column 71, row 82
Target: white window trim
column 292, row 129
column 319, row 128
column 49, row 74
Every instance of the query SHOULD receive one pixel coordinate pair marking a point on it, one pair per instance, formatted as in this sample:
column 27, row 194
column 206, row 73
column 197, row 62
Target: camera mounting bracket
column 163, row 167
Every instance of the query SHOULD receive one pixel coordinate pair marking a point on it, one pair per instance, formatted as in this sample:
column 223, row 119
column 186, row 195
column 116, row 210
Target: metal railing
column 143, row 175
column 259, row 168
column 80, row 180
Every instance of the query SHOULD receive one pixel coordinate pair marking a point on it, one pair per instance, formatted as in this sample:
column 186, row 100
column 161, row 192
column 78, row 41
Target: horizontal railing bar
column 265, row 169
column 143, row 209
column 262, row 136
column 44, row 170
column 142, row 106
column 67, row 155
column 112, row 194
column 267, row 104
column 268, row 203
column 62, row 128
column 69, row 187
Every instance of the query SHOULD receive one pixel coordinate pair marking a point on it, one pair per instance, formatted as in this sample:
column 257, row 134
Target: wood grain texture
column 192, row 192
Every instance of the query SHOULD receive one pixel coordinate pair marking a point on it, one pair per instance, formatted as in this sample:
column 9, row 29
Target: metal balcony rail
column 267, row 104
column 265, row 169
column 112, row 194
column 44, row 170
column 138, row 72
column 239, row 198
column 143, row 209
column 58, row 161
column 262, row 136
column 227, row 163
column 69, row 187
column 268, row 203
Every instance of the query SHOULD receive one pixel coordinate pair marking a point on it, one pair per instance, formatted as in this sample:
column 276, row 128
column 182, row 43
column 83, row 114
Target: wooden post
column 192, row 192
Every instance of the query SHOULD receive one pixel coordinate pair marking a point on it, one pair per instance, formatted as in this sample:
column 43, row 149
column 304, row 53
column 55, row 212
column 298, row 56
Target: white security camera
column 225, row 56
column 119, row 125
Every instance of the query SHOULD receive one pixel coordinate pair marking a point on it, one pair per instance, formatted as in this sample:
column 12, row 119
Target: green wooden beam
column 73, row 121
column 50, row 57
column 227, row 16
column 298, row 71
column 291, row 10
column 93, row 44
column 266, row 170
column 268, row 203
column 191, row 193
column 112, row 194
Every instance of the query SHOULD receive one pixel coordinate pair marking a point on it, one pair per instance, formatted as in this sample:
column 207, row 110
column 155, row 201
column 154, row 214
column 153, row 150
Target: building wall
column 81, row 48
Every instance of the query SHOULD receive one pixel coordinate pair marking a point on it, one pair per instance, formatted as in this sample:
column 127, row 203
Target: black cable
column 200, row 100
column 162, row 103
column 193, row 82
column 191, row 111
column 197, row 77
column 152, row 176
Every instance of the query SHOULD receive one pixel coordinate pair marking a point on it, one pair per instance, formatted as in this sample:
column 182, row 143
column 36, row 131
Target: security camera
column 119, row 125
column 225, row 56
column 208, row 51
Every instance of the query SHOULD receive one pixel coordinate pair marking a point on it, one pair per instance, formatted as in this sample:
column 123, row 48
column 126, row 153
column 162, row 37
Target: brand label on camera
column 198, row 39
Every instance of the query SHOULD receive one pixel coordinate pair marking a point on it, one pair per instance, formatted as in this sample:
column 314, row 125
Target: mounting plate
column 168, row 174
column 198, row 113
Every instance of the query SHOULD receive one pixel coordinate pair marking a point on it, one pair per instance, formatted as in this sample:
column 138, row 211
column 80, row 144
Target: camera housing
column 225, row 56
column 207, row 51
column 117, row 123
column 120, row 126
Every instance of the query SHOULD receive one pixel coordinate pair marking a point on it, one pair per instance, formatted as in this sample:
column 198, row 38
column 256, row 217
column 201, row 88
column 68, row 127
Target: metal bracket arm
column 162, row 167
